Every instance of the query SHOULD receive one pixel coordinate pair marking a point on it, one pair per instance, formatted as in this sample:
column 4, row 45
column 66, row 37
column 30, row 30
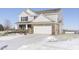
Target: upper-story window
column 24, row 18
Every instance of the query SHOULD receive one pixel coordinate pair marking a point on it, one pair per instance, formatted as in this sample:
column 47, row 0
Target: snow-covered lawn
column 53, row 43
column 10, row 37
column 38, row 42
column 69, row 44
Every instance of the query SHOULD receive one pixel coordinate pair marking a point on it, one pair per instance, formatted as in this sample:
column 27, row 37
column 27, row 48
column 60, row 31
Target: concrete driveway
column 17, row 42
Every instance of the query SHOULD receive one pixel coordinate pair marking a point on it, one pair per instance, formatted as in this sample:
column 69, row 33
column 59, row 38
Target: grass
column 3, row 33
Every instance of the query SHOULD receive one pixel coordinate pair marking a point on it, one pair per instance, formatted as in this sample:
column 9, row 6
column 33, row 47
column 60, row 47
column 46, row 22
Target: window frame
column 24, row 18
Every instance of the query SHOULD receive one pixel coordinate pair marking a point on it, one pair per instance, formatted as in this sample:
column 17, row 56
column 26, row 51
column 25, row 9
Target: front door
column 22, row 27
column 30, row 29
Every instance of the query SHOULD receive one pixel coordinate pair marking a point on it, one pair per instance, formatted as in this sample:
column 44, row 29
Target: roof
column 45, row 19
column 33, row 12
column 48, row 11
column 30, row 12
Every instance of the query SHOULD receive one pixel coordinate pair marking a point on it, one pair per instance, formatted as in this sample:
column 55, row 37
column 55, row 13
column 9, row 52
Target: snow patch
column 51, row 38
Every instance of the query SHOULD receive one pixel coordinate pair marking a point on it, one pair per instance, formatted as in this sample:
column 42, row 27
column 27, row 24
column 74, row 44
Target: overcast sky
column 71, row 16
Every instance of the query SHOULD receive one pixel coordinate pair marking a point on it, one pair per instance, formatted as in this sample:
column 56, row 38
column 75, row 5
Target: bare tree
column 7, row 24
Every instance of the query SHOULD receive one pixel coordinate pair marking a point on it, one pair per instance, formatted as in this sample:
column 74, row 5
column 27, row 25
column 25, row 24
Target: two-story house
column 41, row 22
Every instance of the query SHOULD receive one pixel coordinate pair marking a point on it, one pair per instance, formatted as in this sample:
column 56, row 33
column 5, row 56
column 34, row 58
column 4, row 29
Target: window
column 24, row 18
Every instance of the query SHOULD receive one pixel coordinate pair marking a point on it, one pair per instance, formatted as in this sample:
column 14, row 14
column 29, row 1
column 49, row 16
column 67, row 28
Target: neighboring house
column 71, row 31
column 41, row 22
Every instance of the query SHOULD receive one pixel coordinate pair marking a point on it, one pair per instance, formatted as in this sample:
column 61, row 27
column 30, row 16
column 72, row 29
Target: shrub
column 1, row 27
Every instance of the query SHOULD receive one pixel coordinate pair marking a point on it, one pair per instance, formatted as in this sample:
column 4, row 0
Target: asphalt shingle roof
column 48, row 11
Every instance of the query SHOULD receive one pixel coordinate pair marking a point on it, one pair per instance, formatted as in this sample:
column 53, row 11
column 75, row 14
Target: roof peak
column 30, row 11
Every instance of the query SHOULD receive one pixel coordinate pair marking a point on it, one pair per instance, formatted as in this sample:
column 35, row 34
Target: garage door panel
column 42, row 29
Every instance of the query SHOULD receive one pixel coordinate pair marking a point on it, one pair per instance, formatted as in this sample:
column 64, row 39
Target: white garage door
column 42, row 29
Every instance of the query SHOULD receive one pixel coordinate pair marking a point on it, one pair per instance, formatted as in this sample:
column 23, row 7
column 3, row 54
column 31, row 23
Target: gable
column 41, row 18
column 23, row 14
